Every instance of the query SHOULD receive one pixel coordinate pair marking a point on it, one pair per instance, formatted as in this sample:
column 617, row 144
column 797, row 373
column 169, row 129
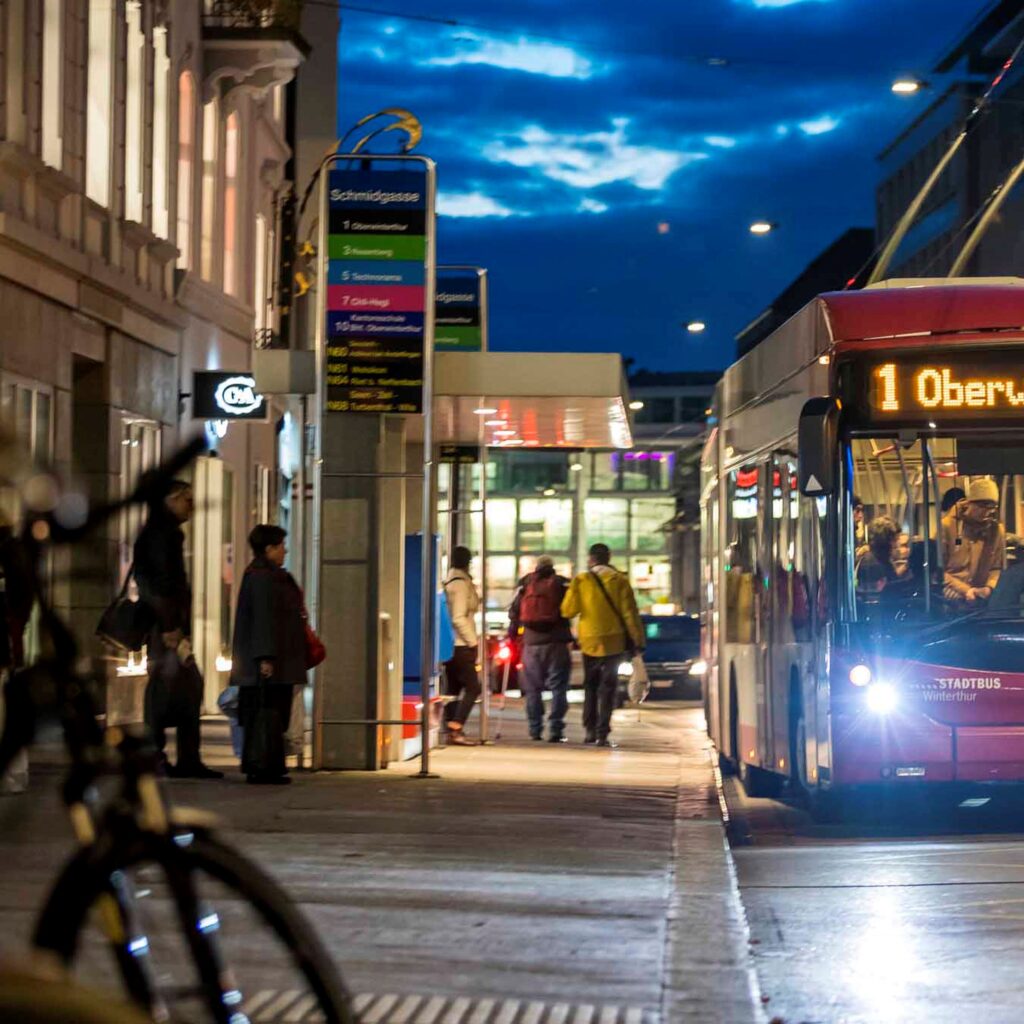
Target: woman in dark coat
column 268, row 655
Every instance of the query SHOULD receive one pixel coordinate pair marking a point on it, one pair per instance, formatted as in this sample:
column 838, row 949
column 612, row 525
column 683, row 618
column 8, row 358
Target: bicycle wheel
column 198, row 934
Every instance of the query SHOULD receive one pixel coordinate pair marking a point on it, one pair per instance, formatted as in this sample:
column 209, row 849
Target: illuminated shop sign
column 222, row 395
column 959, row 386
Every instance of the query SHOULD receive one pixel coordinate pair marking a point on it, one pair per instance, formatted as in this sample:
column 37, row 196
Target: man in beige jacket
column 973, row 544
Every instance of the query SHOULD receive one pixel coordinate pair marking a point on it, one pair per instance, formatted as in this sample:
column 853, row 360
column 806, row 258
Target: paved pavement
column 911, row 910
column 531, row 883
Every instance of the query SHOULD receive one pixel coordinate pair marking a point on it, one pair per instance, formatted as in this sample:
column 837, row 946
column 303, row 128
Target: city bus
column 824, row 672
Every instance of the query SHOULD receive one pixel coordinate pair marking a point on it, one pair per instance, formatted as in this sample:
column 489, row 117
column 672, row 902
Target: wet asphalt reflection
column 910, row 908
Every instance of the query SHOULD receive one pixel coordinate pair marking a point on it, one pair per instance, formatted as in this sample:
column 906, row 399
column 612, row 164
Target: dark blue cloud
column 566, row 133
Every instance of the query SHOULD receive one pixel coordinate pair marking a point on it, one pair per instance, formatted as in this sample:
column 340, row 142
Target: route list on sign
column 376, row 290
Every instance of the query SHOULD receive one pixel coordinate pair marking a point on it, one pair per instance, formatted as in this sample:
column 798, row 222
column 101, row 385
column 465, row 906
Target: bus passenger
column 878, row 567
column 973, row 544
column 860, row 530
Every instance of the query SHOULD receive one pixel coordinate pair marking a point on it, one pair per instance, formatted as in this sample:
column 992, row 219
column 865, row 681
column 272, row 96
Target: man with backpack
column 610, row 633
column 537, row 623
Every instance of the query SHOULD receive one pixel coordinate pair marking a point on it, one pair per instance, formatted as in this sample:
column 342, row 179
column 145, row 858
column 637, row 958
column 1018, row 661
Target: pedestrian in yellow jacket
column 609, row 629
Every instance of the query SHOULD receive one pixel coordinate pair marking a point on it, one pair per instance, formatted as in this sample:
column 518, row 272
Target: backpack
column 541, row 603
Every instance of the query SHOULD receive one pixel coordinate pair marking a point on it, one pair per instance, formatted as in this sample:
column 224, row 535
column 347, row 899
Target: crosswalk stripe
column 291, row 1006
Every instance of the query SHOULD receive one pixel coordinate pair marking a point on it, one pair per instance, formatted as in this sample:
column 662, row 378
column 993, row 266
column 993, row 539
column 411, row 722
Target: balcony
column 252, row 44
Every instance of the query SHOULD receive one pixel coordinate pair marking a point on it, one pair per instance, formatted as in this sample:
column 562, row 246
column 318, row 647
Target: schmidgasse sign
column 223, row 395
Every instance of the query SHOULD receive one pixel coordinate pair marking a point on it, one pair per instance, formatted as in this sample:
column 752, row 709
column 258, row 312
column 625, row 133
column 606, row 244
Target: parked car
column 673, row 656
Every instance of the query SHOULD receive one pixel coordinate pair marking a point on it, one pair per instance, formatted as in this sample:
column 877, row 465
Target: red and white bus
column 894, row 395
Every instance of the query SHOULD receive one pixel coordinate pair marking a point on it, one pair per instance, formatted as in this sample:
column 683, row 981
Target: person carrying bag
column 610, row 632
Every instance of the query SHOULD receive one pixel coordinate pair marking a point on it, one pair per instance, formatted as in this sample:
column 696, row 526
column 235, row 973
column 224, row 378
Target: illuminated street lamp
column 762, row 227
column 908, row 85
column 696, row 326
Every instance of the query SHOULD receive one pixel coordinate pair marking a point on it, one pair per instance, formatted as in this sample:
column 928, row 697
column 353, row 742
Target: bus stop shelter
column 371, row 514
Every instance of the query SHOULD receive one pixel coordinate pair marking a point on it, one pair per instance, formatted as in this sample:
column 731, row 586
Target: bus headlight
column 881, row 698
column 860, row 675
column 699, row 667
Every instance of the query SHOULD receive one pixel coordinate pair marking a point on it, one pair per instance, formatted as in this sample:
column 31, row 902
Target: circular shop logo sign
column 237, row 396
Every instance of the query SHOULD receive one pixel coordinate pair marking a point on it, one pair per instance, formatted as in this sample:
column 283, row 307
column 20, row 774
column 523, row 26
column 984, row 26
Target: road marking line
column 374, row 1014
column 279, row 1005
column 481, row 1012
column 405, row 1010
column 456, row 1011
column 430, row 1012
column 300, row 1011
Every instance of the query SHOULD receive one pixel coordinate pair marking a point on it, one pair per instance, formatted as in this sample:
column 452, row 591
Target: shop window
column 651, row 580
column 53, row 83
column 545, row 525
column 527, row 563
column 501, row 525
column 161, row 131
column 211, row 143
column 605, row 471
column 650, row 521
column 231, row 198
column 99, row 101
column 186, row 161
column 134, row 154
column 529, row 471
column 647, row 471
column 140, row 450
column 606, row 522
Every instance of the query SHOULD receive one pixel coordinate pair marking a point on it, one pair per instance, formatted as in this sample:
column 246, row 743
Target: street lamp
column 696, row 326
column 908, row 85
column 762, row 227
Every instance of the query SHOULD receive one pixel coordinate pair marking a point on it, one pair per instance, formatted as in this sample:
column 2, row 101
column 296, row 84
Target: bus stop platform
column 531, row 883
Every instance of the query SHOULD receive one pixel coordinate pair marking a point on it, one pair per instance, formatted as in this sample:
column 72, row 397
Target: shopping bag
column 639, row 685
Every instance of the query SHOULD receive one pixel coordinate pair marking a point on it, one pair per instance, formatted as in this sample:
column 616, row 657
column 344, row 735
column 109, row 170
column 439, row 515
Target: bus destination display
column 960, row 386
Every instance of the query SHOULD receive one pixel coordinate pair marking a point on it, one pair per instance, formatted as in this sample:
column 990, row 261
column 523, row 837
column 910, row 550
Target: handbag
column 315, row 650
column 125, row 625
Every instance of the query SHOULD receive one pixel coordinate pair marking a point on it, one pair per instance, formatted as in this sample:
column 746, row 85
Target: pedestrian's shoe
column 536, row 737
column 193, row 771
column 608, row 743
column 557, row 738
column 456, row 739
column 590, row 738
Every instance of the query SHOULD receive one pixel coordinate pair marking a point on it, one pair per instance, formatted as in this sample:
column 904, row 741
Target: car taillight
column 504, row 653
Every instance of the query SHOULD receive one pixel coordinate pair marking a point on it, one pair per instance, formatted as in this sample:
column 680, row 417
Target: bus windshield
column 936, row 527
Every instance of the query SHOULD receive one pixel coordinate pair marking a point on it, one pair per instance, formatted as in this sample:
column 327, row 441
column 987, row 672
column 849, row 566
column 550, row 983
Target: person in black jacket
column 268, row 655
column 174, row 695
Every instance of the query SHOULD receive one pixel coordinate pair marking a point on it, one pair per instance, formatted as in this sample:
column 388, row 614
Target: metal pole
column 485, row 668
column 427, row 588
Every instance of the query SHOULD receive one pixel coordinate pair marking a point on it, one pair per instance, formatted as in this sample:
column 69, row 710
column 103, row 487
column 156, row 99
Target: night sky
column 567, row 131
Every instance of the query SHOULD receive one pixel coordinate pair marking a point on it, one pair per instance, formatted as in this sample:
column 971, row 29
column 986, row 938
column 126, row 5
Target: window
column 259, row 291
column 186, row 160
column 647, row 523
column 211, row 143
column 99, row 100
column 161, row 131
column 140, row 450
column 501, row 525
column 651, row 580
column 647, row 471
column 605, row 521
column 657, row 410
column 606, row 471
column 53, row 82
column 231, row 173
column 545, row 525
column 741, row 561
column 134, row 150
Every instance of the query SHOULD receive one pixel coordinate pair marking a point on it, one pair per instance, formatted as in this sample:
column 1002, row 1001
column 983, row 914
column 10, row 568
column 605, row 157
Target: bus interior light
column 881, row 698
column 860, row 675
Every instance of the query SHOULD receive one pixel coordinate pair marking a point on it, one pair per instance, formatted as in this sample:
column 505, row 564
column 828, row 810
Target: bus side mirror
column 817, row 444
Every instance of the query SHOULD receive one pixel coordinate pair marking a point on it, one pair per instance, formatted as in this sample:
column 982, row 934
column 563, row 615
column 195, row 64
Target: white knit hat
column 983, row 489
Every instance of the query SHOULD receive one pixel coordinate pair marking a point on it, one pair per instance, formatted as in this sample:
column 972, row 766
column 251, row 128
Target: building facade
column 143, row 155
column 642, row 503
column 982, row 163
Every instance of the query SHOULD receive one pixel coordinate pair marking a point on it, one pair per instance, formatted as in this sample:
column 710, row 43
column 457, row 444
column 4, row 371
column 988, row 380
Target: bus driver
column 973, row 544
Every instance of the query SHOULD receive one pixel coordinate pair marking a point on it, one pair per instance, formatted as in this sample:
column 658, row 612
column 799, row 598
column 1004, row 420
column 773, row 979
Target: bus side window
column 741, row 597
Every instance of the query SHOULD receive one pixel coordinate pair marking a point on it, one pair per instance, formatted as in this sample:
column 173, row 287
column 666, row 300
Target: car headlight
column 881, row 698
column 860, row 675
column 699, row 667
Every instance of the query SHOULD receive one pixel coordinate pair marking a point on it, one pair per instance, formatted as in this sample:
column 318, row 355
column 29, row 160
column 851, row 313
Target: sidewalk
column 530, row 883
